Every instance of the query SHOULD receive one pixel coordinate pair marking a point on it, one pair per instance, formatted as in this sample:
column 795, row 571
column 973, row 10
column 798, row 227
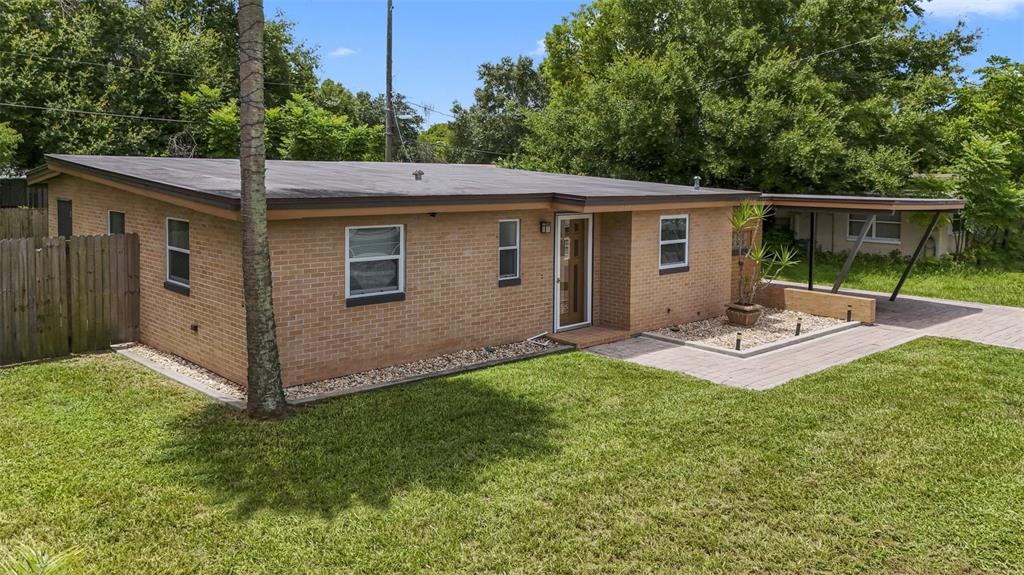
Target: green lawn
column 935, row 278
column 908, row 461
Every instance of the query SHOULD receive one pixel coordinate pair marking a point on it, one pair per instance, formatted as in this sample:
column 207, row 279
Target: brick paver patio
column 897, row 322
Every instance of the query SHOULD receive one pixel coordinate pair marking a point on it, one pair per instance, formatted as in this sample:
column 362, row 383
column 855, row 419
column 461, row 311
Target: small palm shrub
column 25, row 559
column 767, row 263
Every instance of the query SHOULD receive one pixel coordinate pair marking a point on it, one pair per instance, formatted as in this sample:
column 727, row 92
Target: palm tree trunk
column 265, row 395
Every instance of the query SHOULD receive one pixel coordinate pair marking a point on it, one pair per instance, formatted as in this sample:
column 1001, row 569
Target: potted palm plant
column 764, row 264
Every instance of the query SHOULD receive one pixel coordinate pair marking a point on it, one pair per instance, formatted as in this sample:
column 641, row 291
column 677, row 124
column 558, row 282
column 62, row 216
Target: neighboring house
column 374, row 265
column 837, row 232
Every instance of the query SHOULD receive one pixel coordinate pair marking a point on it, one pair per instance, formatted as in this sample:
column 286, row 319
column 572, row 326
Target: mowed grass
column 993, row 285
column 908, row 461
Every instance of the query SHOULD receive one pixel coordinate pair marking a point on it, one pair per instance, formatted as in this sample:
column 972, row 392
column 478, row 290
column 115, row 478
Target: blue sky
column 439, row 44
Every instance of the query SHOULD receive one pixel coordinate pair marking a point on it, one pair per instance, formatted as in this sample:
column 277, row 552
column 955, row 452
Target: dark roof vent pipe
column 418, row 174
column 696, row 182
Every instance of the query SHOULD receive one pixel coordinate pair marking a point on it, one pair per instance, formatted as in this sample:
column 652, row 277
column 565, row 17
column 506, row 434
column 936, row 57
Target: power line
column 812, row 56
column 457, row 147
column 119, row 65
column 92, row 113
column 401, row 137
column 430, row 109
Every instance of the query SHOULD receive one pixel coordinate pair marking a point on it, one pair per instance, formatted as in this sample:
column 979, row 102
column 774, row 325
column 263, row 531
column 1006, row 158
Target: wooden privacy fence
column 62, row 296
column 23, row 223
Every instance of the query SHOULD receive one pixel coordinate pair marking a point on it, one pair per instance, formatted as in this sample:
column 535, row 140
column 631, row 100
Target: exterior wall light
column 545, row 227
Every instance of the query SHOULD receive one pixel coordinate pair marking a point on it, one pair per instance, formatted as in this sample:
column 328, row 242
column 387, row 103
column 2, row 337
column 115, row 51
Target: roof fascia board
column 205, row 208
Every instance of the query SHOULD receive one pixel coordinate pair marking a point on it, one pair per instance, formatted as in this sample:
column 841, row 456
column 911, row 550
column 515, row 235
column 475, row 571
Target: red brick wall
column 452, row 296
column 166, row 317
column 612, row 240
column 659, row 300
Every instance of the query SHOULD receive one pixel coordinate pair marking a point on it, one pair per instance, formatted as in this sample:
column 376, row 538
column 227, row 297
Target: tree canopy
column 9, row 140
column 495, row 124
column 834, row 96
column 987, row 139
column 127, row 58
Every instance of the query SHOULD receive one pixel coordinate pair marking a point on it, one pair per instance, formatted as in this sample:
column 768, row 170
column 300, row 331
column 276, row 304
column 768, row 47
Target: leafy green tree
column 371, row 110
column 9, row 140
column 987, row 142
column 337, row 99
column 298, row 130
column 496, row 122
column 128, row 58
column 770, row 95
column 435, row 144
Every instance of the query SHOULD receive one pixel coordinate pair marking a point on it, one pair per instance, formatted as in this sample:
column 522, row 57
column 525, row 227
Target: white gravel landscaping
column 374, row 377
column 185, row 367
column 775, row 325
column 448, row 361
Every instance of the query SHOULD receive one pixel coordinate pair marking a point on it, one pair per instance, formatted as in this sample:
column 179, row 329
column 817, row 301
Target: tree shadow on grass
column 361, row 448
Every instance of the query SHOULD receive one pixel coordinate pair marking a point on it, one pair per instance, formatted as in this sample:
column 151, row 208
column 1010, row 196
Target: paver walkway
column 897, row 322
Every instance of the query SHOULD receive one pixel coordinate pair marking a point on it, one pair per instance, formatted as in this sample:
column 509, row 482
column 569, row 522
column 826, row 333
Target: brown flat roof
column 864, row 203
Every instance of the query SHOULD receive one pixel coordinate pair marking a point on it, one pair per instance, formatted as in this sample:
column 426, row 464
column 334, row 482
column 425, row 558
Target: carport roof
column 864, row 203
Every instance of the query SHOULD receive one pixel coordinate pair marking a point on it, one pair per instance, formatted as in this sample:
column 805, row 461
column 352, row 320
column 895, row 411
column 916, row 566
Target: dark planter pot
column 743, row 315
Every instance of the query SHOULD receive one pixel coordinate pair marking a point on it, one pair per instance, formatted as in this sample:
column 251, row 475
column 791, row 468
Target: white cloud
column 342, row 52
column 540, row 50
column 964, row 7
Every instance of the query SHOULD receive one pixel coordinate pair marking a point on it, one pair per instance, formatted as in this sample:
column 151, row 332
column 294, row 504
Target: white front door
column 574, row 256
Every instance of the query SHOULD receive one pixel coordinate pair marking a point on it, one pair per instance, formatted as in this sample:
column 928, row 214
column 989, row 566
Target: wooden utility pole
column 265, row 395
column 389, row 113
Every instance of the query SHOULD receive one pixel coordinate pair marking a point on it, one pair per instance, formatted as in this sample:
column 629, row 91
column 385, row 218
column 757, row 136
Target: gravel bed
column 464, row 358
column 774, row 325
column 185, row 367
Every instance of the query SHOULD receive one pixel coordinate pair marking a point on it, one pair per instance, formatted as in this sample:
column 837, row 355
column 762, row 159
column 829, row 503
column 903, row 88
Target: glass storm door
column 572, row 270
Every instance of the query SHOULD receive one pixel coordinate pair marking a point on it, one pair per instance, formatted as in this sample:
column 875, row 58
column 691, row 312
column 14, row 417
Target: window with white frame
column 178, row 253
column 115, row 222
column 374, row 260
column 508, row 249
column 886, row 228
column 674, row 242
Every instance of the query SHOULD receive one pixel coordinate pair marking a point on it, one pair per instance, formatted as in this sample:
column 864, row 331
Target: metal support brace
column 917, row 254
column 853, row 254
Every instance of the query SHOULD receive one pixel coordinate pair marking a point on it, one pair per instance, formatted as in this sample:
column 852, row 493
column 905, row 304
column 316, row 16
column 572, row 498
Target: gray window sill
column 177, row 288
column 372, row 299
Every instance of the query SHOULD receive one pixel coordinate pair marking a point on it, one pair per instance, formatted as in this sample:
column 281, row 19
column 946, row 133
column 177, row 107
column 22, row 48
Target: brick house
column 375, row 265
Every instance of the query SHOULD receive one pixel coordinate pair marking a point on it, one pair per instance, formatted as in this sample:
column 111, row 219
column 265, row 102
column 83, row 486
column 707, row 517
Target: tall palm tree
column 265, row 395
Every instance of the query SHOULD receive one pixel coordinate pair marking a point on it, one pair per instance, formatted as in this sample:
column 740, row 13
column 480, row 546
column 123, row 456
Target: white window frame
column 169, row 248
column 124, row 216
column 507, row 248
column 685, row 242
column 871, row 237
column 400, row 257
